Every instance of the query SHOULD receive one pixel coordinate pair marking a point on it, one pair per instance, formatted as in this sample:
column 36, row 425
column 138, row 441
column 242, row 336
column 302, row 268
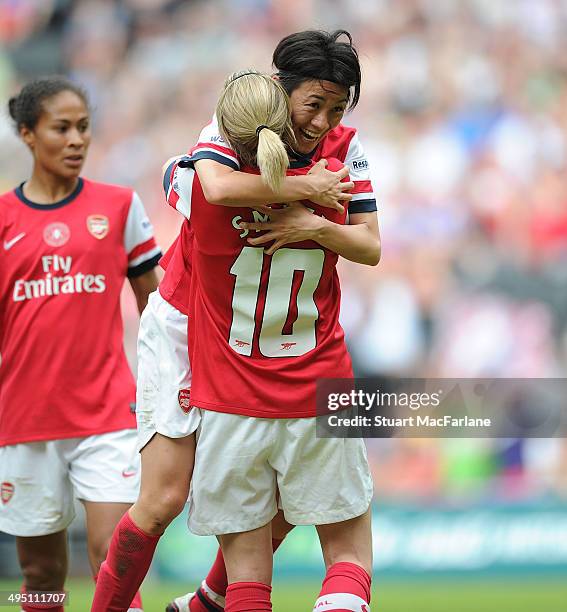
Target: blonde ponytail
column 254, row 116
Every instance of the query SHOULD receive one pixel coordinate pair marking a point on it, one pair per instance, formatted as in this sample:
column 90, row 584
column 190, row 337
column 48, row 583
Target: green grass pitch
column 520, row 595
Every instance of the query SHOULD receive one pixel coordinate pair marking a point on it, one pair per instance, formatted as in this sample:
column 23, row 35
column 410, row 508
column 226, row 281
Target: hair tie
column 259, row 129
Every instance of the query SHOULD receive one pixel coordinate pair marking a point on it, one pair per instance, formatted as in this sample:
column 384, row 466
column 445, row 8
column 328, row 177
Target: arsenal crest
column 98, row 226
column 6, row 492
column 184, row 399
column 56, row 234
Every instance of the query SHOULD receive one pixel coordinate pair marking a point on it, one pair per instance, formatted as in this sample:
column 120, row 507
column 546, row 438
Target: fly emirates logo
column 58, row 279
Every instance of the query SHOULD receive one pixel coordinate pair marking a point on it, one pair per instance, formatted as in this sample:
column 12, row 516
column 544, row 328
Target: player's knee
column 44, row 574
column 162, row 509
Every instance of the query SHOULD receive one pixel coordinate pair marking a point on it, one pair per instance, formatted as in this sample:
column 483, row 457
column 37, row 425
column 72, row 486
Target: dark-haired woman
column 321, row 74
column 67, row 396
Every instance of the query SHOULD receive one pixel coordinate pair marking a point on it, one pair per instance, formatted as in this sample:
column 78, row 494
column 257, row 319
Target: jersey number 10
column 272, row 340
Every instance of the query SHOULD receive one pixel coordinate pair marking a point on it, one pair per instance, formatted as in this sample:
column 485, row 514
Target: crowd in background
column 463, row 116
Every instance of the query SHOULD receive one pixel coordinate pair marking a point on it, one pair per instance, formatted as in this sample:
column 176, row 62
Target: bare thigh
column 167, row 468
column 349, row 541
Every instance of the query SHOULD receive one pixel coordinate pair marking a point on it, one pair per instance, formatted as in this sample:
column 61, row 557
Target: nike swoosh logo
column 8, row 244
column 128, row 474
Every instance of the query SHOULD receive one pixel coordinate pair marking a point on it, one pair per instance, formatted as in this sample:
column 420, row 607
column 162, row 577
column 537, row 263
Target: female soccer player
column 263, row 328
column 67, row 424
column 321, row 73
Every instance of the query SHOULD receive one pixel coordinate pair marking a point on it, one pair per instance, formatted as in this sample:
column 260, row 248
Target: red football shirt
column 341, row 142
column 262, row 329
column 174, row 286
column 64, row 372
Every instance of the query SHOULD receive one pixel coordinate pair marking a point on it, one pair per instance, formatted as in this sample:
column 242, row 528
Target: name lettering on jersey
column 360, row 164
column 54, row 284
column 258, row 217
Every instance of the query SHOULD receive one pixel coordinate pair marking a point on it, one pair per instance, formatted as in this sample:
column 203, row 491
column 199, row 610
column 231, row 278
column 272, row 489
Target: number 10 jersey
column 262, row 329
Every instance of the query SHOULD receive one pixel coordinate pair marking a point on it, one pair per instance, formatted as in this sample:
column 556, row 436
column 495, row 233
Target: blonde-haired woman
column 263, row 328
column 243, row 124
column 255, row 117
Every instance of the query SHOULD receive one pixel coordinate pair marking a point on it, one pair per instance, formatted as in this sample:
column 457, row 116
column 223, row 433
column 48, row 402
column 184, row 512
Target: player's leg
column 347, row 551
column 101, row 519
column 44, row 563
column 166, row 474
column 37, row 507
column 212, row 591
column 248, row 558
column 327, row 482
column 234, row 493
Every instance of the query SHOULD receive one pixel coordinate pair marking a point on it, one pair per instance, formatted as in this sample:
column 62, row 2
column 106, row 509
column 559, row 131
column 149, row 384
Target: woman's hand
column 294, row 223
column 328, row 190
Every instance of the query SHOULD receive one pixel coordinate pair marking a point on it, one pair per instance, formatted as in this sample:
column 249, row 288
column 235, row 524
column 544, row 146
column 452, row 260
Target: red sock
column 136, row 602
column 346, row 588
column 248, row 597
column 127, row 562
column 217, row 582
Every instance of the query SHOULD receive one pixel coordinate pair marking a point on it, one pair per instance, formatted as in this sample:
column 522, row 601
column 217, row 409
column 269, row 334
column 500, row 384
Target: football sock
column 346, row 588
column 213, row 589
column 127, row 562
column 248, row 597
column 136, row 602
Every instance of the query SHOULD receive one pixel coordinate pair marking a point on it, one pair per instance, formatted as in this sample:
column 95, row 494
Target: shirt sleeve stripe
column 357, row 197
column 362, row 187
column 142, row 248
column 215, row 147
column 145, row 266
column 362, row 206
column 155, row 252
column 168, row 174
column 213, row 154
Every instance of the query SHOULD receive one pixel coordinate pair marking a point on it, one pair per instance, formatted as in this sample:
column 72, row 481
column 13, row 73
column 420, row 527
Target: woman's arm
column 359, row 241
column 142, row 286
column 227, row 187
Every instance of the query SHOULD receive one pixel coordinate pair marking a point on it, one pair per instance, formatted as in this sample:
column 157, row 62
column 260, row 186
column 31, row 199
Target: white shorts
column 164, row 374
column 243, row 463
column 40, row 479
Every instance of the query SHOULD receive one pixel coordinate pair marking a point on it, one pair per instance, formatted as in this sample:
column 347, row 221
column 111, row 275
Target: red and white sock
column 346, row 588
column 211, row 594
column 127, row 562
column 248, row 597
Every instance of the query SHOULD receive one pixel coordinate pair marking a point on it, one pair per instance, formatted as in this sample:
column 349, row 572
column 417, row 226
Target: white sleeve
column 139, row 241
column 211, row 145
column 178, row 185
column 363, row 198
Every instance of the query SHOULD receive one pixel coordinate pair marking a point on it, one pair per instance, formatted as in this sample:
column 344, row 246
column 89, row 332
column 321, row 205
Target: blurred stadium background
column 464, row 119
